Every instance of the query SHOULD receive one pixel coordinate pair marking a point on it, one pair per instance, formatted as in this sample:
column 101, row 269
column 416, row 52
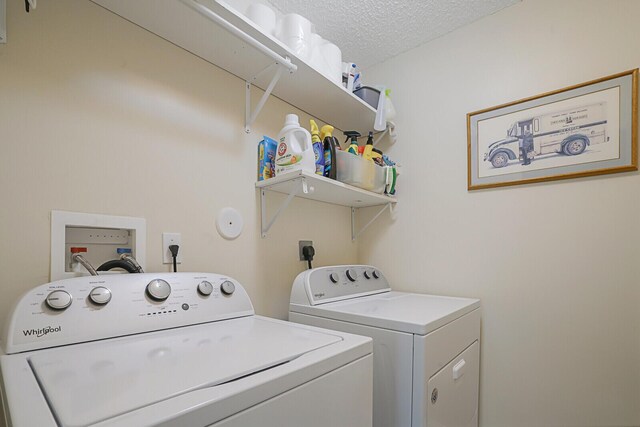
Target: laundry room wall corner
column 555, row 265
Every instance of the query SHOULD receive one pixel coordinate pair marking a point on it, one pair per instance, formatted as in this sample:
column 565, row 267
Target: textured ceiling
column 371, row 31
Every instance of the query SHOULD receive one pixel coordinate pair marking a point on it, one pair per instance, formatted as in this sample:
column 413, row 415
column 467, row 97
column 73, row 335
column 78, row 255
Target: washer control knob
column 375, row 274
column 334, row 277
column 367, row 275
column 352, row 275
column 59, row 300
column 100, row 295
column 227, row 287
column 158, row 289
column 205, row 288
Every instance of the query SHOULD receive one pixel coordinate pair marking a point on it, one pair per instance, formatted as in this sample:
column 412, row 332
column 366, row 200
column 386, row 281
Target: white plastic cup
column 292, row 26
column 299, row 47
column 317, row 60
column 315, row 41
column 333, row 57
column 263, row 16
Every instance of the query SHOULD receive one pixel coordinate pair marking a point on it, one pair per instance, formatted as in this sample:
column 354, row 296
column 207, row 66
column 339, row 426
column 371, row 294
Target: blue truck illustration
column 568, row 132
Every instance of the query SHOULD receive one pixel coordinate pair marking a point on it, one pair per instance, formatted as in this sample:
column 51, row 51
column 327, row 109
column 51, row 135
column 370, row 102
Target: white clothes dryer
column 174, row 349
column 426, row 348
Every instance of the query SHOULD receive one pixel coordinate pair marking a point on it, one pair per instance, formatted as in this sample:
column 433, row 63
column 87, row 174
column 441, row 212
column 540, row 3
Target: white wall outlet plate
column 229, row 223
column 169, row 239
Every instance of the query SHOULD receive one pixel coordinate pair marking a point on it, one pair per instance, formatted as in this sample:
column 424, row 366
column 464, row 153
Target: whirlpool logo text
column 38, row 333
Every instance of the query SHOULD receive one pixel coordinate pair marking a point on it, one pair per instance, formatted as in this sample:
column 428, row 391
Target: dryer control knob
column 100, row 295
column 352, row 275
column 227, row 287
column 59, row 300
column 334, row 277
column 205, row 288
column 375, row 274
column 158, row 289
column 367, row 275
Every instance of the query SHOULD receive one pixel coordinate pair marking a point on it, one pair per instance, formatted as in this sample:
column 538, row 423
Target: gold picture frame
column 582, row 130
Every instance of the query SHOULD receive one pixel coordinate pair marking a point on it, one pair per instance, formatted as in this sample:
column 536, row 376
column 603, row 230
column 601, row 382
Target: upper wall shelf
column 178, row 22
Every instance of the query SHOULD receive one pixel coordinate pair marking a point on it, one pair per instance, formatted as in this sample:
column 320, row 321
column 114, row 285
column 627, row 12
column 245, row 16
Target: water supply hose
column 131, row 260
column 118, row 263
column 86, row 264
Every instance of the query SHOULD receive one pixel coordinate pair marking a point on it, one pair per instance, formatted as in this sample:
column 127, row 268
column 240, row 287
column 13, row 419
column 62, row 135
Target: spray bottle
column 330, row 146
column 369, row 153
column 353, row 146
column 318, row 149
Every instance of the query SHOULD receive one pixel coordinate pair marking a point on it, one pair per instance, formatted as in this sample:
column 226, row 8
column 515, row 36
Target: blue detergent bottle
column 318, row 149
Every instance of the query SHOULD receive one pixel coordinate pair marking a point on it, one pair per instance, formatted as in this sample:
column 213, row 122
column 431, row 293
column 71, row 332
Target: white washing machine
column 426, row 348
column 179, row 349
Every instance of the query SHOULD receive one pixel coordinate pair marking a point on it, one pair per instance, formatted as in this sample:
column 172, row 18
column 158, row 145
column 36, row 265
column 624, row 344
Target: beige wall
column 556, row 264
column 98, row 115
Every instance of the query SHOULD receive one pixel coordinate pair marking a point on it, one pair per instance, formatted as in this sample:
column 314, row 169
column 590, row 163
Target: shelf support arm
column 266, row 224
column 281, row 62
column 390, row 130
column 379, row 138
column 249, row 116
column 354, row 234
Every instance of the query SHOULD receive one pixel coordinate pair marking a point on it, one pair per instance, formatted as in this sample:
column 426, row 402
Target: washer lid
column 92, row 382
column 399, row 311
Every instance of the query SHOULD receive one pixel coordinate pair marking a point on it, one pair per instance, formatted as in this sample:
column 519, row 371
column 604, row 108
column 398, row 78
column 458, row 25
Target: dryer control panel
column 97, row 307
column 335, row 283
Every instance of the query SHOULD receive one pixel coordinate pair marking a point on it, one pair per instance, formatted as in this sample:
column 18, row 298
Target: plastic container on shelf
column 368, row 94
column 355, row 170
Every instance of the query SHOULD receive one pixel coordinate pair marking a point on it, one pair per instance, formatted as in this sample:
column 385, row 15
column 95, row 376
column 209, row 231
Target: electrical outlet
column 301, row 244
column 169, row 239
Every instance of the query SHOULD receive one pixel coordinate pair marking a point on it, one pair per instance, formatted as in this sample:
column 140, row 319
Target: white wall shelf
column 315, row 187
column 215, row 32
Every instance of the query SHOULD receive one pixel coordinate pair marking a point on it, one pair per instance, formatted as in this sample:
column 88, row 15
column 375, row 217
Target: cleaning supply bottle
column 295, row 151
column 353, row 146
column 327, row 131
column 318, row 150
column 369, row 153
column 378, row 157
column 331, row 145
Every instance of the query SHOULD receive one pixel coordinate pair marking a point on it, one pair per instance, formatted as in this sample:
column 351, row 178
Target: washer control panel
column 96, row 307
column 328, row 284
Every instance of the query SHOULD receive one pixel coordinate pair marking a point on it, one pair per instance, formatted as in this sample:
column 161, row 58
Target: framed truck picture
column 583, row 130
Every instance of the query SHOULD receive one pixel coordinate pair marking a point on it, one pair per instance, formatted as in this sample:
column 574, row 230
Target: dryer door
column 453, row 391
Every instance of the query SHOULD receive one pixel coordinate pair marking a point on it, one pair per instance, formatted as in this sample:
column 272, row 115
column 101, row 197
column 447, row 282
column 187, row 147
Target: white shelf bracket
column 391, row 130
column 281, row 62
column 265, row 224
column 379, row 138
column 354, row 234
column 250, row 117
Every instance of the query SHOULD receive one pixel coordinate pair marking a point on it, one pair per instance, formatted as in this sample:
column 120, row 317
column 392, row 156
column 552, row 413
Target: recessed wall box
column 98, row 238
